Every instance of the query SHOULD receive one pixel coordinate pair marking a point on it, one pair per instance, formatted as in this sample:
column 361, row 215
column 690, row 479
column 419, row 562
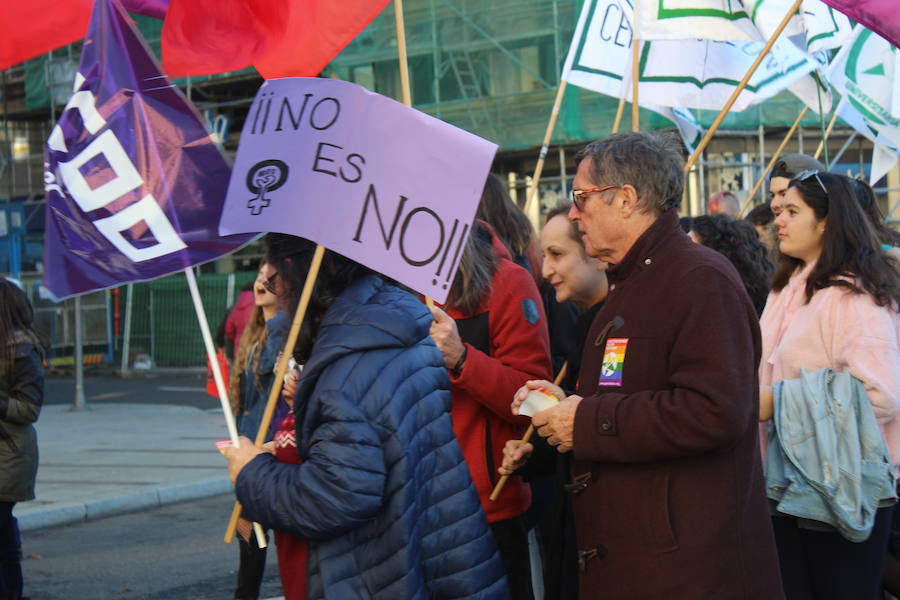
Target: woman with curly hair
column 739, row 242
column 251, row 378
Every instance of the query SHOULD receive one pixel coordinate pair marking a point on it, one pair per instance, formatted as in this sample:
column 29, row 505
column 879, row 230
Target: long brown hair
column 850, row 247
column 253, row 338
column 16, row 324
column 476, row 271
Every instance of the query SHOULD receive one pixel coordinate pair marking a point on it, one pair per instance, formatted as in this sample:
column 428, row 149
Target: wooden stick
column 401, row 52
column 281, row 369
column 635, row 81
column 821, row 147
column 737, row 92
column 775, row 157
column 619, row 111
column 538, row 169
column 525, row 438
column 405, row 92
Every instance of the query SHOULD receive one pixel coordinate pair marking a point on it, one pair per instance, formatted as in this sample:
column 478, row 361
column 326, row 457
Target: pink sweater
column 837, row 329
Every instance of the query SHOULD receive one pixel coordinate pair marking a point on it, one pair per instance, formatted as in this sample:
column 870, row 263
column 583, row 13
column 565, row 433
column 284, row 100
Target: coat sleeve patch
column 530, row 311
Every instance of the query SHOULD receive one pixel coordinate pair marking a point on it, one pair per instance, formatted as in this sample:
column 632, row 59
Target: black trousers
column 819, row 565
column 512, row 542
column 10, row 554
column 251, row 570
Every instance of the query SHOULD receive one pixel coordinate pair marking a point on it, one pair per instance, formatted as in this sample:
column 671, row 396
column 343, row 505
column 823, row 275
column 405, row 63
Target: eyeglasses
column 579, row 197
column 804, row 175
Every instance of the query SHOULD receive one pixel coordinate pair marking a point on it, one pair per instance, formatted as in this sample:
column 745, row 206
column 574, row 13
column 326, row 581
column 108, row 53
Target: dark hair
column 685, row 223
column 562, row 209
column 508, row 221
column 477, row 265
column 291, row 256
column 866, row 198
column 850, row 247
column 739, row 243
column 16, row 324
column 761, row 215
column 791, row 165
column 649, row 161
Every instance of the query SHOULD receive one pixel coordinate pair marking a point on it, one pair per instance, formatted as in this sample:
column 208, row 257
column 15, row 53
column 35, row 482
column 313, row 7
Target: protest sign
column 134, row 183
column 365, row 176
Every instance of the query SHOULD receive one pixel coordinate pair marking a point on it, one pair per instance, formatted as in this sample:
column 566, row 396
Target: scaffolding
column 491, row 67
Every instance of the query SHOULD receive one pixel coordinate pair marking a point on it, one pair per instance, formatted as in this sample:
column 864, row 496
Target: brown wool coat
column 675, row 506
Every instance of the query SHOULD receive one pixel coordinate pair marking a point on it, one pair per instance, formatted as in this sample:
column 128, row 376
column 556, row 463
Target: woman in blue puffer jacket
column 381, row 494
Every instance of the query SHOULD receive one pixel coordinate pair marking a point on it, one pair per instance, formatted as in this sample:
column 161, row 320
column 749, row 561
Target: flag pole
column 619, row 111
column 734, row 96
column 280, row 370
column 401, row 52
column 525, row 438
column 545, row 146
column 405, row 89
column 771, row 164
column 825, row 137
column 217, row 375
column 635, row 81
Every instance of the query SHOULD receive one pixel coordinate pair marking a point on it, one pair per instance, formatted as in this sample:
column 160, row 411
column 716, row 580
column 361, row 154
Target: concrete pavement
column 117, row 458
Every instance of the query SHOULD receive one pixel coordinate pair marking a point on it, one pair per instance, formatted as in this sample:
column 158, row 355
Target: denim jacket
column 255, row 385
column 827, row 460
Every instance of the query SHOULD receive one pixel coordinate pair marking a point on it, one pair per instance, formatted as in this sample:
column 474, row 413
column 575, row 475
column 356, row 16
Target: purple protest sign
column 365, row 176
column 134, row 184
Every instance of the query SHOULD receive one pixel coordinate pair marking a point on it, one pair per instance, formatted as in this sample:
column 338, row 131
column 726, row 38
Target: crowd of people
column 727, row 398
column 726, row 423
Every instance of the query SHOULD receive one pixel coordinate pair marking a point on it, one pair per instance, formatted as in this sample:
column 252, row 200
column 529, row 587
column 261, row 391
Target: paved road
column 170, row 553
column 183, row 390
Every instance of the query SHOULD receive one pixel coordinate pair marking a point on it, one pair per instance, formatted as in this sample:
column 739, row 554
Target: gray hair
column 651, row 162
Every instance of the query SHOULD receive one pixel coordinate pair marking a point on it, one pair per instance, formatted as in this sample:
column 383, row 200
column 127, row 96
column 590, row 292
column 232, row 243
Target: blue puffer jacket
column 382, row 494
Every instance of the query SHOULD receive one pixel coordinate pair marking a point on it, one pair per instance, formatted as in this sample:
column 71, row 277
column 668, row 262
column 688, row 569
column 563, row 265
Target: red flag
column 29, row 28
column 881, row 16
column 281, row 38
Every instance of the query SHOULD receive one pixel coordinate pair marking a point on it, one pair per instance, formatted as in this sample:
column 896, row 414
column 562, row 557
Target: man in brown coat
column 667, row 479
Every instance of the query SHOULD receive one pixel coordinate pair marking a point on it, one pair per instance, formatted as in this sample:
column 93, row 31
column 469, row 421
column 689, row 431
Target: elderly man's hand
column 557, row 424
column 239, row 457
column 534, row 384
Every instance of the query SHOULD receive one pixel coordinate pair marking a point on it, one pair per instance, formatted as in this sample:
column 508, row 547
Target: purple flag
column 134, row 184
column 881, row 16
column 149, row 8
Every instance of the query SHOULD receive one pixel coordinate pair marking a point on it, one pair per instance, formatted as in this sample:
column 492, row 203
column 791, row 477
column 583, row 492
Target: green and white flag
column 816, row 26
column 674, row 73
column 867, row 72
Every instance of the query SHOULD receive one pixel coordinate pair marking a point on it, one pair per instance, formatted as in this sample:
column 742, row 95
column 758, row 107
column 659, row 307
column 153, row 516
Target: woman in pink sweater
column 834, row 303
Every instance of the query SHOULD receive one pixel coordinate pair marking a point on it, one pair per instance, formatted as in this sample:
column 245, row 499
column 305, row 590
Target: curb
column 126, row 503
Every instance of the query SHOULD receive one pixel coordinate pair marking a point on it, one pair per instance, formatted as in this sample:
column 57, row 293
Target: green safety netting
column 487, row 66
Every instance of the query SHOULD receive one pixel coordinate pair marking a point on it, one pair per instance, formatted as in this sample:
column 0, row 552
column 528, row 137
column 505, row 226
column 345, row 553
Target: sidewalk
column 118, row 458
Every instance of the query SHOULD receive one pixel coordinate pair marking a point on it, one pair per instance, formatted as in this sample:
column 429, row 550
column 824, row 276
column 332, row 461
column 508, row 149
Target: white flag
column 816, row 26
column 674, row 73
column 866, row 72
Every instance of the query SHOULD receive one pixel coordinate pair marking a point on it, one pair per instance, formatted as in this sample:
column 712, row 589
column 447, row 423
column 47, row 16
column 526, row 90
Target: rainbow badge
column 613, row 360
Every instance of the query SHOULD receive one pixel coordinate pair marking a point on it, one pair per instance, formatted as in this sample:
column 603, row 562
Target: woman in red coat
column 493, row 335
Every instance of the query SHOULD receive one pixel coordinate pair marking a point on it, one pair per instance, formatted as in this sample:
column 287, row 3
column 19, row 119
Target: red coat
column 506, row 344
column 239, row 317
column 674, row 506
